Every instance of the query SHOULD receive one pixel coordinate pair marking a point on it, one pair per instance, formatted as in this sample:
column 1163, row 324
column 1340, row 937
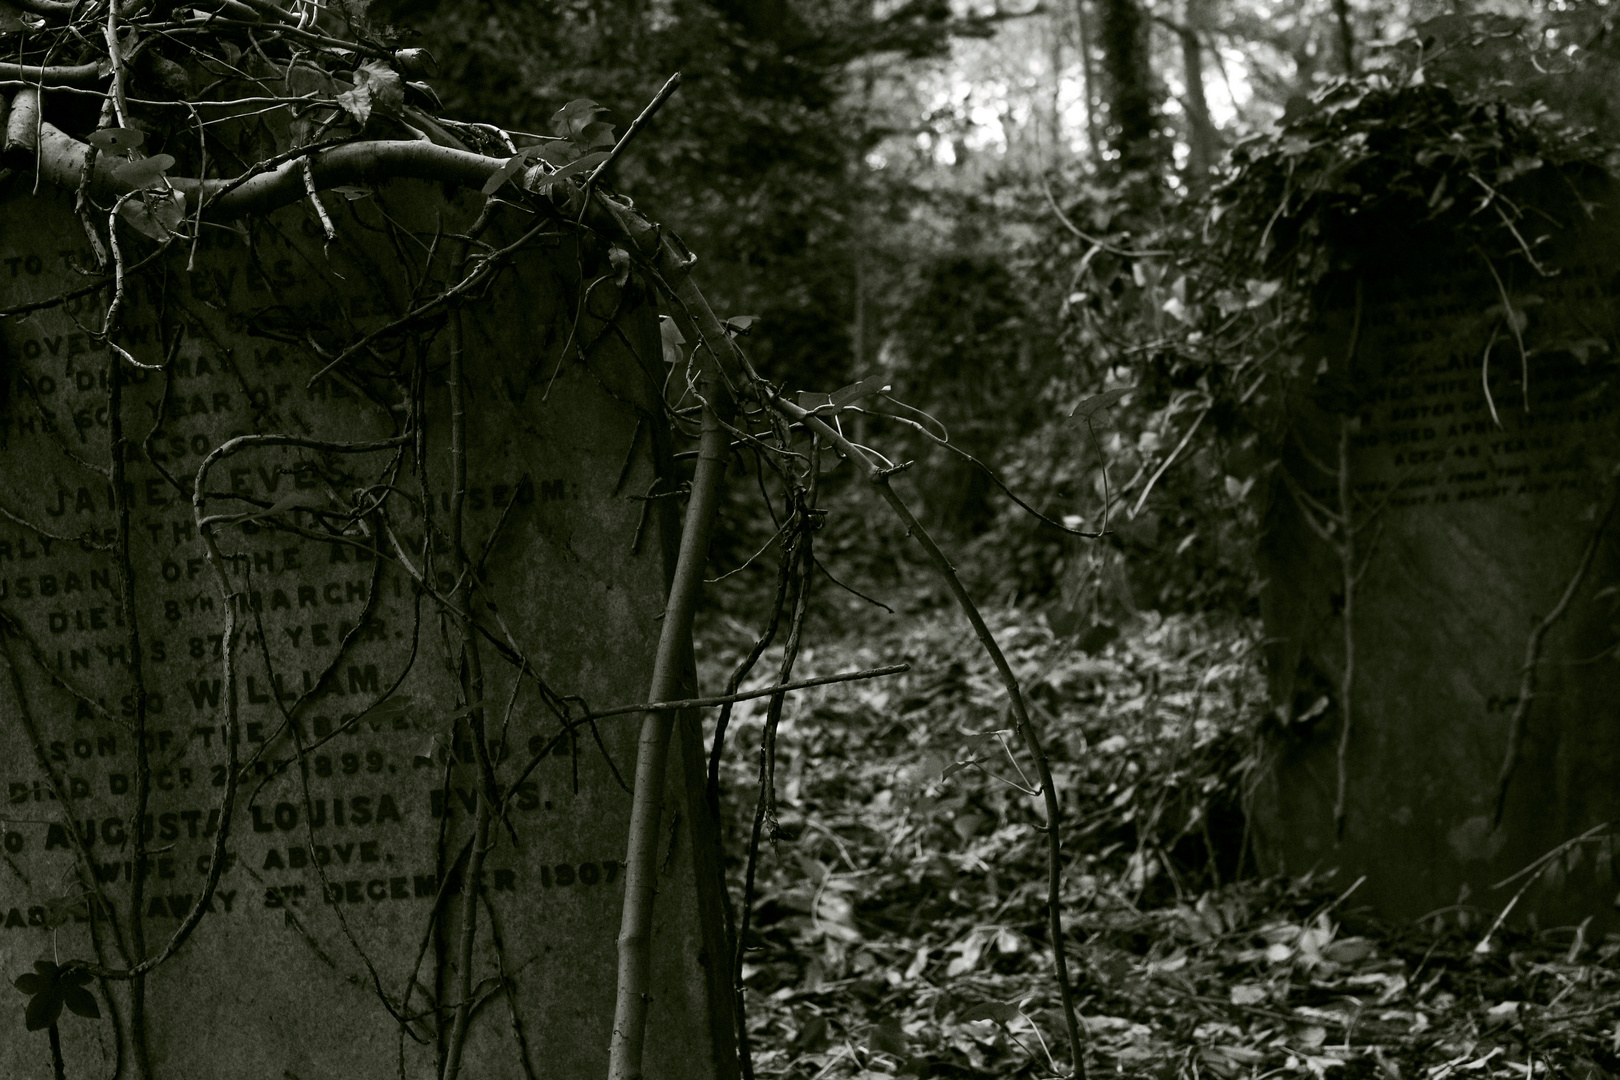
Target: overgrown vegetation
column 896, row 930
column 1120, row 374
column 900, row 925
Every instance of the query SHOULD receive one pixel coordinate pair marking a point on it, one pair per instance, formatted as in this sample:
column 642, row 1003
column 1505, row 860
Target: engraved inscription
column 235, row 687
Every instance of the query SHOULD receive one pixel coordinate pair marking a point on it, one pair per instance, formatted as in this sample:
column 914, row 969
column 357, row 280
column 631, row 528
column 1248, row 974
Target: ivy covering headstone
column 1433, row 386
column 334, row 507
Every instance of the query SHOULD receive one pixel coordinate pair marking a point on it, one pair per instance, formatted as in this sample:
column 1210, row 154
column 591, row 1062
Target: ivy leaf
column 1094, row 404
column 556, row 154
column 387, row 88
column 416, row 61
column 142, row 173
column 1000, row 1012
column 981, row 742
column 858, row 391
column 574, row 168
column 573, row 119
column 357, row 103
column 673, row 339
column 49, row 988
column 839, row 399
column 376, row 86
column 43, row 1010
column 80, row 1001
column 969, row 755
column 599, row 133
column 741, row 325
column 157, row 215
column 432, row 752
column 427, row 92
column 513, row 164
column 888, row 1037
column 117, row 140
column 1260, row 291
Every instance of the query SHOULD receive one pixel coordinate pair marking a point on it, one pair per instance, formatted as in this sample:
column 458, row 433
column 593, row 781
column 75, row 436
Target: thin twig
column 636, row 125
column 1025, row 723
column 765, row 802
column 1532, row 655
column 1346, row 545
column 315, row 199
column 1087, row 237
column 1510, row 315
column 1485, row 377
column 766, row 691
column 1589, row 834
column 1180, row 446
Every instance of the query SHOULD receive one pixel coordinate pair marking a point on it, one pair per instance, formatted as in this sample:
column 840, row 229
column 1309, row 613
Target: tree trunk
column 1203, row 142
column 1132, row 118
column 1055, row 50
column 1347, row 38
column 1088, row 80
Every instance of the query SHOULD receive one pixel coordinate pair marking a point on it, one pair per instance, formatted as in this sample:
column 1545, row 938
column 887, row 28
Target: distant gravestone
column 332, row 944
column 1469, row 533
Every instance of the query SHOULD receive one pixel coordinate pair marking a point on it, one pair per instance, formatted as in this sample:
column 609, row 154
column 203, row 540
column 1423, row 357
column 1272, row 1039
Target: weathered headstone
column 1467, row 534
column 331, row 625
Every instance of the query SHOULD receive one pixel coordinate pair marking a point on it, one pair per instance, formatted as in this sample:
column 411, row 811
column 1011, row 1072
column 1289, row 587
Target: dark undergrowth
column 900, row 928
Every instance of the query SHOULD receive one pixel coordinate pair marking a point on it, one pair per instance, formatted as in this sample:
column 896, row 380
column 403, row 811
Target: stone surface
column 1470, row 534
column 330, row 946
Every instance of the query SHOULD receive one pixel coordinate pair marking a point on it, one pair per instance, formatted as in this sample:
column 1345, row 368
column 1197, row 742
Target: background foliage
column 1001, row 211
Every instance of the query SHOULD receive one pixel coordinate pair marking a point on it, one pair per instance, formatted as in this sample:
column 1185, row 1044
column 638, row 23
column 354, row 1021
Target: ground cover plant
column 900, row 926
column 894, row 914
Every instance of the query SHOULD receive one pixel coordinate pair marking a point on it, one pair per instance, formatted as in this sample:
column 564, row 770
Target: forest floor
column 899, row 921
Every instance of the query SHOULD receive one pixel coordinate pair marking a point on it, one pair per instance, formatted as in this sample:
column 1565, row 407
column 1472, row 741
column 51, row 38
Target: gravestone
column 327, row 627
column 1469, row 530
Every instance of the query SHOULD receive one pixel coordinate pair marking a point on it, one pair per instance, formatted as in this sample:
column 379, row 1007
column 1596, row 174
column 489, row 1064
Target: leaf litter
column 899, row 926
